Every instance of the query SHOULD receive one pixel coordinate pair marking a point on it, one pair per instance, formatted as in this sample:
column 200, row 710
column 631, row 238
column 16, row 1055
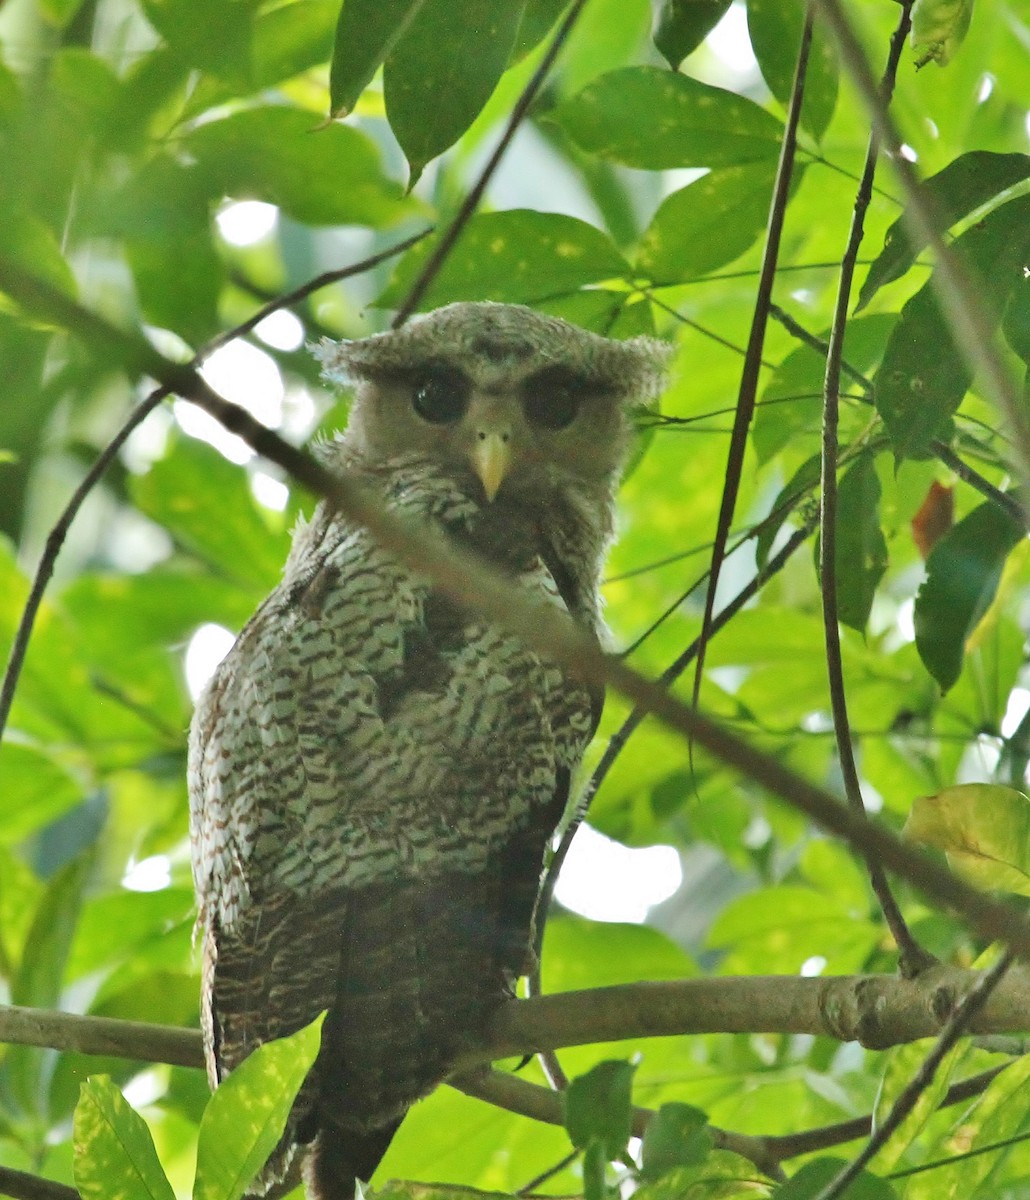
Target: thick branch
column 876, row 1010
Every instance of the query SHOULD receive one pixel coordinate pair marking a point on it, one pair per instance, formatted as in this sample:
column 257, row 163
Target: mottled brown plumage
column 374, row 774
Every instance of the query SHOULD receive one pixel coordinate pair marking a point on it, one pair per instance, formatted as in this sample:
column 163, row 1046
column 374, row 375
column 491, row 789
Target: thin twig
column 976, row 481
column 956, row 1026
column 20, row 1185
column 748, row 390
column 556, row 1168
column 821, row 347
column 471, row 202
column 956, row 289
column 59, row 531
column 911, row 956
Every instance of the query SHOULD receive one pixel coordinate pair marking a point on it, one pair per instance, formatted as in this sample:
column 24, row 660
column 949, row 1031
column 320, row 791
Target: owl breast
column 375, row 775
column 367, row 729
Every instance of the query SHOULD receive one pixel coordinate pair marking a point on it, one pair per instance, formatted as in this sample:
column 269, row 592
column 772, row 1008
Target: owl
column 375, row 773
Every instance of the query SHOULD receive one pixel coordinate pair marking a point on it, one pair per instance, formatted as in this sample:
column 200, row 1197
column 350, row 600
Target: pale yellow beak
column 491, row 458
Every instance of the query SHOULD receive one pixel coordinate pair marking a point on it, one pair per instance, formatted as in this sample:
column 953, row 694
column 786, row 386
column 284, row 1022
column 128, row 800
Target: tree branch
column 876, row 1010
column 961, row 1017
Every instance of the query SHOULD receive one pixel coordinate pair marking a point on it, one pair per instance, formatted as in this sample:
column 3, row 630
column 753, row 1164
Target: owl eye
column 441, row 396
column 552, row 401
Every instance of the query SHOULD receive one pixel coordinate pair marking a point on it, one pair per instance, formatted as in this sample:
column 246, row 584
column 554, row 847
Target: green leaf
column 805, row 479
column 1016, row 321
column 366, row 32
column 214, row 36
column 36, row 790
column 59, row 12
column 115, row 1157
column 984, row 828
column 328, row 176
column 650, row 118
column 963, row 186
column 708, row 223
column 538, row 17
column 923, row 376
column 442, row 71
column 939, row 27
column 205, row 504
column 791, row 402
column 962, row 575
column 861, row 551
column 38, row 980
column 682, row 25
column 519, row 256
column 598, row 1107
column 775, row 27
column 814, row 1176
column 721, row 1176
column 677, row 1136
column 246, row 1116
column 28, row 243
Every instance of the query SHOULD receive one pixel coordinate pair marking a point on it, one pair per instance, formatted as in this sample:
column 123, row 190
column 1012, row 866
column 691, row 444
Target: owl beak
column 491, row 458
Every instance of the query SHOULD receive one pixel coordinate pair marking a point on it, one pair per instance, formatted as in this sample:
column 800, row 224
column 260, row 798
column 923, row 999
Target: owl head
column 503, row 397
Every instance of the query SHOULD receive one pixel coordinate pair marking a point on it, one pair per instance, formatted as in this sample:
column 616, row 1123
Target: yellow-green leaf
column 984, row 828
column 115, row 1157
column 246, row 1116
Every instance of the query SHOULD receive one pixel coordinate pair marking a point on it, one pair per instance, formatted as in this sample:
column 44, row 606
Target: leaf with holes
column 924, row 376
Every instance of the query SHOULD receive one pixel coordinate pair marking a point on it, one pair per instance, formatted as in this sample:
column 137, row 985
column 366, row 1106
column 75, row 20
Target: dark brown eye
column 441, row 396
column 551, row 400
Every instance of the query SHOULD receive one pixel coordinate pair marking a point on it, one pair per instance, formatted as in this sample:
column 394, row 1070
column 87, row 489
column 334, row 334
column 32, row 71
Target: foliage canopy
column 136, row 137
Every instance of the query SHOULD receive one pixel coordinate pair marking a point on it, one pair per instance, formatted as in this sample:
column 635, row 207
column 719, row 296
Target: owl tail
column 338, row 1158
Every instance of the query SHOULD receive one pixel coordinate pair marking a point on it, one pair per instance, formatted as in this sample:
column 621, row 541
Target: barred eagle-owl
column 375, row 774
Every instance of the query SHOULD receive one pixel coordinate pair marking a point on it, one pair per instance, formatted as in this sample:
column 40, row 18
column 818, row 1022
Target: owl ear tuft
column 638, row 369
